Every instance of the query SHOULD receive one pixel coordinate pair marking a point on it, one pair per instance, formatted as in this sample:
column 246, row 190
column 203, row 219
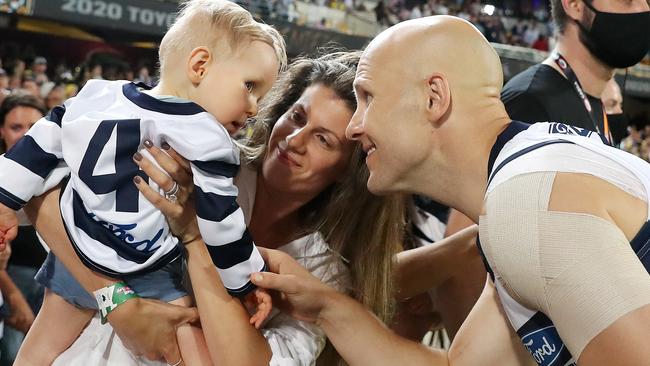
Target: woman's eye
column 322, row 140
column 297, row 117
column 249, row 86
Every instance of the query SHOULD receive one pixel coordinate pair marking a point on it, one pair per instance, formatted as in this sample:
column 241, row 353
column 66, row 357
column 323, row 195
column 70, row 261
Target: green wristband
column 110, row 297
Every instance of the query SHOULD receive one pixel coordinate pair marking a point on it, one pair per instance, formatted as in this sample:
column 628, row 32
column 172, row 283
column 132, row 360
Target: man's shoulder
column 535, row 80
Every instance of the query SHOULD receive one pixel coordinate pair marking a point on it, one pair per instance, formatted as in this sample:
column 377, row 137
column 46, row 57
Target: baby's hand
column 260, row 303
column 8, row 226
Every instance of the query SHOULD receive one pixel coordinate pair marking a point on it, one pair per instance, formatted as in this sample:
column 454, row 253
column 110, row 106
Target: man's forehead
column 376, row 65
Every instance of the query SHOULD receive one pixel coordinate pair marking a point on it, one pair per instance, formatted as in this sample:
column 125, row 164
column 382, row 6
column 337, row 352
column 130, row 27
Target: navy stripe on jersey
column 218, row 168
column 148, row 102
column 30, row 155
column 506, row 135
column 228, row 255
column 56, row 114
column 112, row 235
column 214, row 207
column 11, row 201
column 524, row 152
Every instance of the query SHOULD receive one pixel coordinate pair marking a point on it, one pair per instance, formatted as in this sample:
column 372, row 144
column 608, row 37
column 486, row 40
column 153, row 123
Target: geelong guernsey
column 114, row 229
column 536, row 330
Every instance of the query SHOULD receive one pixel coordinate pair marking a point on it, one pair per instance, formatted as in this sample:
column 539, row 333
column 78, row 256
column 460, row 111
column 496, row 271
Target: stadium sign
column 139, row 16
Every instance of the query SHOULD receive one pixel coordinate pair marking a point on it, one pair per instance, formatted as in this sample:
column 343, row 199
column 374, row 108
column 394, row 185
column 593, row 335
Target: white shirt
column 293, row 342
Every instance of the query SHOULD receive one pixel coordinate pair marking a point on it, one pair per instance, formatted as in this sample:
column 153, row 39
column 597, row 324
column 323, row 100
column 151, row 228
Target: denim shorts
column 165, row 284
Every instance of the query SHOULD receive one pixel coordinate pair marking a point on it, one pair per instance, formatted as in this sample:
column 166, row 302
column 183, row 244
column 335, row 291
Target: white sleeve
column 294, row 342
column 214, row 161
column 27, row 166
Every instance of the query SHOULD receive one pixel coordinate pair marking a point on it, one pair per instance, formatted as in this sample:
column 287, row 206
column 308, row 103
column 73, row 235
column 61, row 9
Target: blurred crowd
column 52, row 85
column 507, row 25
column 638, row 142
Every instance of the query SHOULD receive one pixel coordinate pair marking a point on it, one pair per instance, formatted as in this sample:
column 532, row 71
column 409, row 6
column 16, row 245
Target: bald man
column 563, row 217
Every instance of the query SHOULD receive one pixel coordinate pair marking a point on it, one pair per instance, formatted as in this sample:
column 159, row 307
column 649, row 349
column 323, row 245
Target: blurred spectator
column 416, row 12
column 531, row 34
column 381, row 14
column 632, row 143
column 541, row 44
column 71, row 90
column 96, row 72
column 29, row 84
column 143, row 76
column 4, row 80
column 613, row 105
column 39, row 69
column 18, row 113
column 566, row 87
column 56, row 96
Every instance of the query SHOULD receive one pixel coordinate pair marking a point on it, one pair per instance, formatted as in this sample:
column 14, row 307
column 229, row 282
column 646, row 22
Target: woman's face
column 17, row 122
column 308, row 150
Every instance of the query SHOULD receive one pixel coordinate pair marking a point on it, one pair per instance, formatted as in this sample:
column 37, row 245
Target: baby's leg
column 191, row 342
column 42, row 345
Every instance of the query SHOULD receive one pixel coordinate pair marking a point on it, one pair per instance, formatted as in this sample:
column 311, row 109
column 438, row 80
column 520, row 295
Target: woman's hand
column 302, row 295
column 180, row 214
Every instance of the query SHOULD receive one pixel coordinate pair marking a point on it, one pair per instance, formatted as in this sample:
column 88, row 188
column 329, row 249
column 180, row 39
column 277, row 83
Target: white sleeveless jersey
column 519, row 144
column 114, row 229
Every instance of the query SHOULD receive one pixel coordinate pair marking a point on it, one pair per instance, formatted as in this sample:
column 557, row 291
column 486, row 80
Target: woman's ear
column 438, row 99
column 197, row 64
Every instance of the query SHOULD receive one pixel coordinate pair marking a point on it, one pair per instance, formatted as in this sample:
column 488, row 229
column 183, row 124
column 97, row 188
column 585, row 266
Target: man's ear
column 438, row 99
column 573, row 9
column 197, row 64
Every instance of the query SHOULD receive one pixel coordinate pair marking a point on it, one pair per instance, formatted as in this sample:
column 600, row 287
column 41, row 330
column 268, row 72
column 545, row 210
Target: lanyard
column 571, row 76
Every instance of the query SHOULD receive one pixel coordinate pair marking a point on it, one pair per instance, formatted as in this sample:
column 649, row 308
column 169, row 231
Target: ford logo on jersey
column 542, row 341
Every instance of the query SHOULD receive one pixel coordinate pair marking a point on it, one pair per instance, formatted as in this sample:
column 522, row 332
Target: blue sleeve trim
column 231, row 254
column 247, row 288
column 214, row 207
column 218, row 168
column 56, row 115
column 10, row 200
column 30, row 155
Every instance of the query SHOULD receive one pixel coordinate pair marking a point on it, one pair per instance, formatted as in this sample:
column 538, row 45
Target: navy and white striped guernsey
column 536, row 330
column 114, row 229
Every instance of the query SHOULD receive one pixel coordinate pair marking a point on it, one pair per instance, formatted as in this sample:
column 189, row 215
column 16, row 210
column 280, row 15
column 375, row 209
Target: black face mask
column 618, row 126
column 620, row 40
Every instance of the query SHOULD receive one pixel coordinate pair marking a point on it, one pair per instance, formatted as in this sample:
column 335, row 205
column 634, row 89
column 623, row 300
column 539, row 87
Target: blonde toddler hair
column 218, row 24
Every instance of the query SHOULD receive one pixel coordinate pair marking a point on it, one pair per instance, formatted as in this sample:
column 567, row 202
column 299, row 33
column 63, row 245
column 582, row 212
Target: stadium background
column 121, row 35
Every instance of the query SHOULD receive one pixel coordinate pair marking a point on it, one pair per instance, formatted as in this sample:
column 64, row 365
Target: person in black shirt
column 594, row 38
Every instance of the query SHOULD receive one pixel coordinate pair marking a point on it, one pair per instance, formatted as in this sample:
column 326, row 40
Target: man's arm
column 361, row 339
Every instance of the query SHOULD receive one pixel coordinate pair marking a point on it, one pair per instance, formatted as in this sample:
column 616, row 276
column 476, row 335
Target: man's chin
column 378, row 186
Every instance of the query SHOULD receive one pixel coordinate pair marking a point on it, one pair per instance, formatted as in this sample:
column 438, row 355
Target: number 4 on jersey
column 121, row 182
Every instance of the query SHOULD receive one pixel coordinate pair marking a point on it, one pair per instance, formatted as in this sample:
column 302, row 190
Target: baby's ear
column 197, row 64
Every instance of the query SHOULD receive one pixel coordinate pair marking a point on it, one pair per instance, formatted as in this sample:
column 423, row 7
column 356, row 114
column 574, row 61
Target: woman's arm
column 147, row 327
column 418, row 270
column 230, row 337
